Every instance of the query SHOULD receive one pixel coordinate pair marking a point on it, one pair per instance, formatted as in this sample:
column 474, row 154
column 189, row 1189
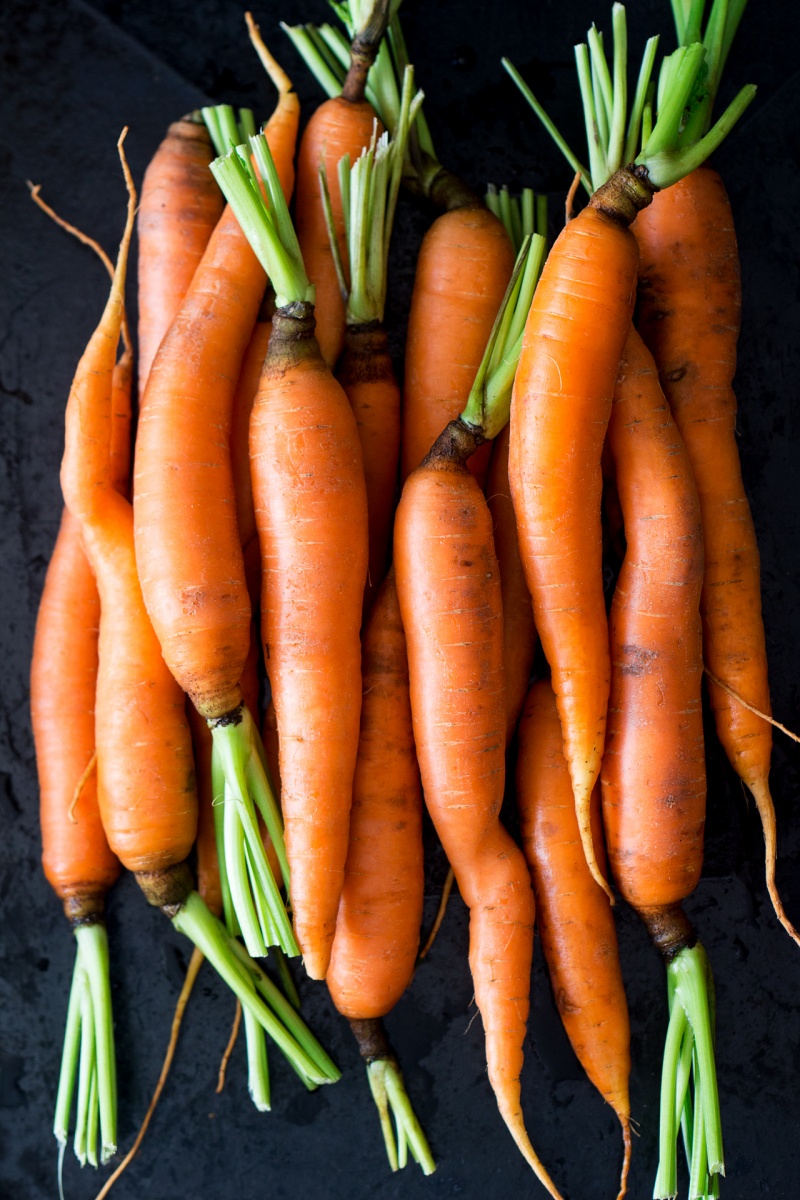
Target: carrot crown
column 250, row 183
column 489, row 402
column 671, row 147
column 369, row 191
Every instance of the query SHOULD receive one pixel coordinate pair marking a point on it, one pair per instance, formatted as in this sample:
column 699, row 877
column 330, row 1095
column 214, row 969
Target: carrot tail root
column 766, row 811
column 625, row 1122
column 88, row 1056
column 583, row 810
column 689, row 1095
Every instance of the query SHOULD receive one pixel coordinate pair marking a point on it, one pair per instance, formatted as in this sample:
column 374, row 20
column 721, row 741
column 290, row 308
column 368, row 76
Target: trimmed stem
column 391, row 1099
column 195, row 921
column 257, row 1064
column 88, row 1053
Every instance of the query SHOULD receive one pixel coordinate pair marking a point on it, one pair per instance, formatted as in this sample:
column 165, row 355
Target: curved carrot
column 576, row 925
column 449, row 590
column 180, row 205
column 689, row 318
column 463, row 268
column 519, row 630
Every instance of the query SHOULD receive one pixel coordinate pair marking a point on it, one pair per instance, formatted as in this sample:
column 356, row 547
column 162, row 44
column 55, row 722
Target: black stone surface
column 73, row 75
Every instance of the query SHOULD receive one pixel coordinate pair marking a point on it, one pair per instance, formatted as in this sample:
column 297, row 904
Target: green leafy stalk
column 721, row 27
column 88, row 1055
column 194, row 920
column 265, row 222
column 489, row 402
column 369, row 190
column 224, row 129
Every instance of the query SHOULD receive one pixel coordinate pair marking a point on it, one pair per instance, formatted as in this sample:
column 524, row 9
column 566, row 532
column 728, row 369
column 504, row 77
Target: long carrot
column 377, row 928
column 654, row 768
column 187, row 541
column 450, row 601
column 144, row 763
column 341, row 125
column 576, row 925
column 689, row 316
column 311, row 510
column 562, row 397
column 77, row 860
column 180, row 205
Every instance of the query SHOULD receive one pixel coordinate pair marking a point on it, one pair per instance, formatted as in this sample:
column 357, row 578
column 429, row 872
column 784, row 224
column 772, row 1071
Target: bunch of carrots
column 415, row 569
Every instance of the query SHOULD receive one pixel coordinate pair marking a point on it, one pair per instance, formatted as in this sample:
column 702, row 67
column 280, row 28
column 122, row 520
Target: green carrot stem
column 666, row 1185
column 85, row 1068
column 195, row 921
column 257, row 1064
column 93, row 949
column 287, row 980
column 239, row 878
column 69, row 1056
column 406, row 1118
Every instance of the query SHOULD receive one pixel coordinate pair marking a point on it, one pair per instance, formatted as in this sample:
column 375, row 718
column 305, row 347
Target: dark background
column 73, row 75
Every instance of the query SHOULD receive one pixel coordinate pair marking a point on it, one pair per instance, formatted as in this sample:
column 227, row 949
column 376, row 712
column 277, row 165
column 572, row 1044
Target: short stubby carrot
column 180, row 205
column 689, row 316
column 519, row 630
column 448, row 585
column 576, row 925
column 463, row 269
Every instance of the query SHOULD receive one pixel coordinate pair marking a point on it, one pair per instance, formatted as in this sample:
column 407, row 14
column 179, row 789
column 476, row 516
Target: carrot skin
column 689, row 318
column 187, row 540
column 180, row 205
column 654, row 766
column 76, row 857
column 311, row 511
column 336, row 128
column 519, row 630
column 463, row 269
column 561, row 404
column 448, row 586
column 576, row 925
column 366, row 374
column 377, row 929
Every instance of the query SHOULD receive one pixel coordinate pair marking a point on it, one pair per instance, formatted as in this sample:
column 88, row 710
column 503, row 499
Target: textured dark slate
column 73, row 75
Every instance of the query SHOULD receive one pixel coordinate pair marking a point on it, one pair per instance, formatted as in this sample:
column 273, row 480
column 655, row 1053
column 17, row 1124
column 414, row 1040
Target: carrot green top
column 247, row 174
column 680, row 139
column 489, row 402
column 369, row 191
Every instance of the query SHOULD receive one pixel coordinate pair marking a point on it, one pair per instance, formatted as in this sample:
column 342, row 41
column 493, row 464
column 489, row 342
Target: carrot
column 189, row 553
column 180, row 205
column 690, row 302
column 377, row 928
column 450, row 602
column 365, row 371
column 653, row 775
column 562, row 397
column 341, row 125
column 575, row 922
column 311, row 510
column 144, row 764
column 78, row 862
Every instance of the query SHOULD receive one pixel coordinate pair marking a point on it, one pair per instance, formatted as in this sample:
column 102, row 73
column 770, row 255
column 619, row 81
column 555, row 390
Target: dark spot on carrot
column 640, row 660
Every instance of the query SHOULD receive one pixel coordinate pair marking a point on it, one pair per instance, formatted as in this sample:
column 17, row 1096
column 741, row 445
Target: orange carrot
column 311, row 511
column 449, row 590
column 576, row 925
column 689, row 318
column 463, row 268
column 519, row 631
column 180, row 205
